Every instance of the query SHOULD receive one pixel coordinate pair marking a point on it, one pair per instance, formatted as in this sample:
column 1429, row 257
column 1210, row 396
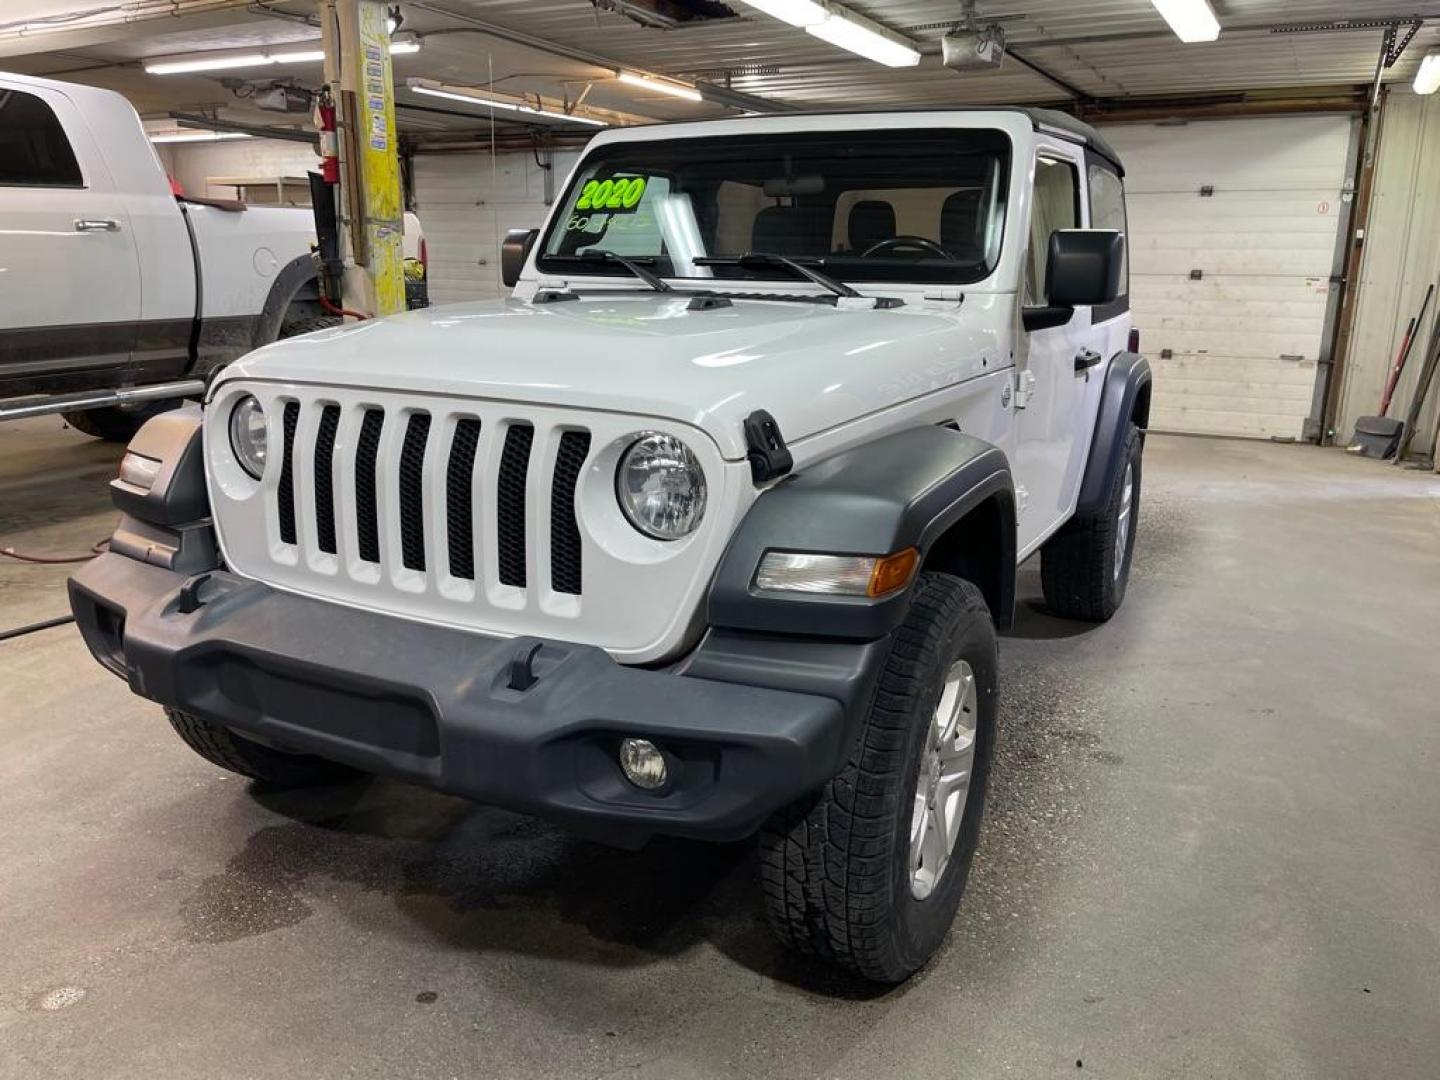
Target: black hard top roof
column 1062, row 124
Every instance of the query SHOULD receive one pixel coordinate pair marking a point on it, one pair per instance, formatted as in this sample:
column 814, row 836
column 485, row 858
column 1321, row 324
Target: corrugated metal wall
column 467, row 202
column 1402, row 256
column 1244, row 336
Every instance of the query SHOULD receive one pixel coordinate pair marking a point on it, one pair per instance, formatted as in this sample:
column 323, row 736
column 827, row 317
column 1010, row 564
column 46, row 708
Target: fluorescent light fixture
column 1192, row 20
column 865, row 38
column 844, row 28
column 794, row 12
column 197, row 136
column 661, row 86
column 300, row 53
column 1427, row 79
column 487, row 101
column 207, row 63
column 301, row 56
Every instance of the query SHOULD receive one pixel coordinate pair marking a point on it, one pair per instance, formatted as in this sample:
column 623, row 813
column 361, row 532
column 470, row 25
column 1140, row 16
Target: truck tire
column 116, row 424
column 223, row 747
column 866, row 874
column 306, row 326
column 1085, row 567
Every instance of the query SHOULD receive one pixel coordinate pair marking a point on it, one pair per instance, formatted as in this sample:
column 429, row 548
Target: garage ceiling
column 1116, row 51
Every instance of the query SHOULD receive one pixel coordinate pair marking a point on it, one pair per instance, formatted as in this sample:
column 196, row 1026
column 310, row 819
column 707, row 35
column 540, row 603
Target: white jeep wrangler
column 706, row 531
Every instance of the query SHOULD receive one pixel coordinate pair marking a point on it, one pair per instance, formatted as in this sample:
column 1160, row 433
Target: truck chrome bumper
column 529, row 724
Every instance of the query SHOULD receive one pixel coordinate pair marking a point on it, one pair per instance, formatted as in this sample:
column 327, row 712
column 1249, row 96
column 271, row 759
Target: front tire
column 1085, row 567
column 868, row 873
column 221, row 746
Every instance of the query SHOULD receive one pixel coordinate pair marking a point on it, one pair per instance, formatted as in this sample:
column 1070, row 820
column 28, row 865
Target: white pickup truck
column 112, row 289
column 707, row 531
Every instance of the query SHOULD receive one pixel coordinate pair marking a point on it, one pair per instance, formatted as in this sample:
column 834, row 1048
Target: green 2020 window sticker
column 620, row 195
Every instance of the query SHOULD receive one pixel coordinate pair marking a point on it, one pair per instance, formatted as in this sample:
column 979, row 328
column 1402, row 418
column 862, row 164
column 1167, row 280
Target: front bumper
column 449, row 709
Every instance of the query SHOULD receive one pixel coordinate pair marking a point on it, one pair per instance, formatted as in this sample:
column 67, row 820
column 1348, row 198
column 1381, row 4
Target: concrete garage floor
column 1211, row 849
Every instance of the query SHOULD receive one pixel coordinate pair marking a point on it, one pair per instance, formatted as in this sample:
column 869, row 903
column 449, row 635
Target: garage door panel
column 1237, row 294
column 1259, row 343
column 1222, row 422
column 1260, row 397
column 1264, row 244
column 467, row 202
column 1217, row 321
column 1260, row 154
column 1280, row 262
column 1300, row 210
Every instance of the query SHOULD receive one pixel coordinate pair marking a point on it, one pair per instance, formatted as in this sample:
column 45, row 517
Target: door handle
column 96, row 225
column 1086, row 359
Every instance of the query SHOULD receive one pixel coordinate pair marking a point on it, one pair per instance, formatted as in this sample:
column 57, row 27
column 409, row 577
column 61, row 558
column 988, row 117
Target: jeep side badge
column 765, row 447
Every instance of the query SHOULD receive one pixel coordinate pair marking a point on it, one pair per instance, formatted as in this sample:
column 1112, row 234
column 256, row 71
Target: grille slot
column 285, row 494
column 510, row 504
column 367, row 449
column 412, row 510
column 459, row 508
column 564, row 530
column 324, row 492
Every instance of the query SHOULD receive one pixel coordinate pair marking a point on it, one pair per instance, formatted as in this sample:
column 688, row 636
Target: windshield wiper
column 633, row 265
column 765, row 258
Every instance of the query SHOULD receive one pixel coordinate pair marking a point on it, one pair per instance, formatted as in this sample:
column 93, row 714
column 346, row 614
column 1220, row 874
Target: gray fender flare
column 903, row 490
column 1125, row 396
column 291, row 278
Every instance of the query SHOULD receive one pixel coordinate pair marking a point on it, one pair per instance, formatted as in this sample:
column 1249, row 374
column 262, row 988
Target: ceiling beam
column 719, row 95
column 263, row 131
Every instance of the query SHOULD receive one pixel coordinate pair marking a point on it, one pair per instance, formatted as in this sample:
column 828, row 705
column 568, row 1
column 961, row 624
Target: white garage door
column 466, row 205
column 1229, row 289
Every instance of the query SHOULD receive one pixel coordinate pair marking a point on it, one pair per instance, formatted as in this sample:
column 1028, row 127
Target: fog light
column 643, row 763
column 139, row 471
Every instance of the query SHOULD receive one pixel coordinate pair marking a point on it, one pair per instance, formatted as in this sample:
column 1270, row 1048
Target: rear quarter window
column 1107, row 211
column 33, row 149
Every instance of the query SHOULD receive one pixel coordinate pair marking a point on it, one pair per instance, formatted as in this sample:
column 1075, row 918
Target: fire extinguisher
column 329, row 137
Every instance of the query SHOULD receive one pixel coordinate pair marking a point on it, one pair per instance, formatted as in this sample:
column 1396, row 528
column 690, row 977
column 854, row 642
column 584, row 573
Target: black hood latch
column 769, row 457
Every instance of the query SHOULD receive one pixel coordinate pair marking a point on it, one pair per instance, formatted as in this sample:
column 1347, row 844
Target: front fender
column 904, row 490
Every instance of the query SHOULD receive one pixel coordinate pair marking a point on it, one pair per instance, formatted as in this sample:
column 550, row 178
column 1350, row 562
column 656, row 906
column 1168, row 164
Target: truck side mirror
column 1083, row 268
column 514, row 250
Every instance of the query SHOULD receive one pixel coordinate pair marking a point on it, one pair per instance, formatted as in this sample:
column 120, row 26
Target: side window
column 1057, row 206
column 33, row 149
column 1107, row 211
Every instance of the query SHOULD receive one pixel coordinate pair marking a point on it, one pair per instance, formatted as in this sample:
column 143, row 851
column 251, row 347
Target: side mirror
column 514, row 250
column 1083, row 268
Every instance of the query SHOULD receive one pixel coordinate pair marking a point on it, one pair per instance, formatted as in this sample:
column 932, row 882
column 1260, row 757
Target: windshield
column 889, row 206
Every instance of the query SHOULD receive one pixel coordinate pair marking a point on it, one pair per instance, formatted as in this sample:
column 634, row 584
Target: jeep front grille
column 501, row 488
column 490, row 515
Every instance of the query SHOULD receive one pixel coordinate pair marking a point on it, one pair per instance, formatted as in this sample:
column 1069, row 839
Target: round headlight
column 661, row 487
column 247, row 435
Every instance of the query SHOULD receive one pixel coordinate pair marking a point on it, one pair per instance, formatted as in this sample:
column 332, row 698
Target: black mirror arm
column 1045, row 317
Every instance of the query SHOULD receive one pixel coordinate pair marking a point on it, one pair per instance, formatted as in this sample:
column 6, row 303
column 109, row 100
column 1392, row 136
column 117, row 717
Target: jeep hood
column 811, row 365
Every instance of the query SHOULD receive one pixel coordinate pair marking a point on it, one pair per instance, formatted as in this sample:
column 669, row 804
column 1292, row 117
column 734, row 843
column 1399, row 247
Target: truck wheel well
column 980, row 548
column 304, row 305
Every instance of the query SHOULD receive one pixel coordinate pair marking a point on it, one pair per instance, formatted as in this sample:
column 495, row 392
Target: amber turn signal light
column 893, row 573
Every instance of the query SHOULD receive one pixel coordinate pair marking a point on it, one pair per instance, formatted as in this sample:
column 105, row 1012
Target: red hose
column 333, row 310
column 55, row 559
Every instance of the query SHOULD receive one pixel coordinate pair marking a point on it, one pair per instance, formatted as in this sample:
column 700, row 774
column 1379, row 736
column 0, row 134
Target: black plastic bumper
column 440, row 707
